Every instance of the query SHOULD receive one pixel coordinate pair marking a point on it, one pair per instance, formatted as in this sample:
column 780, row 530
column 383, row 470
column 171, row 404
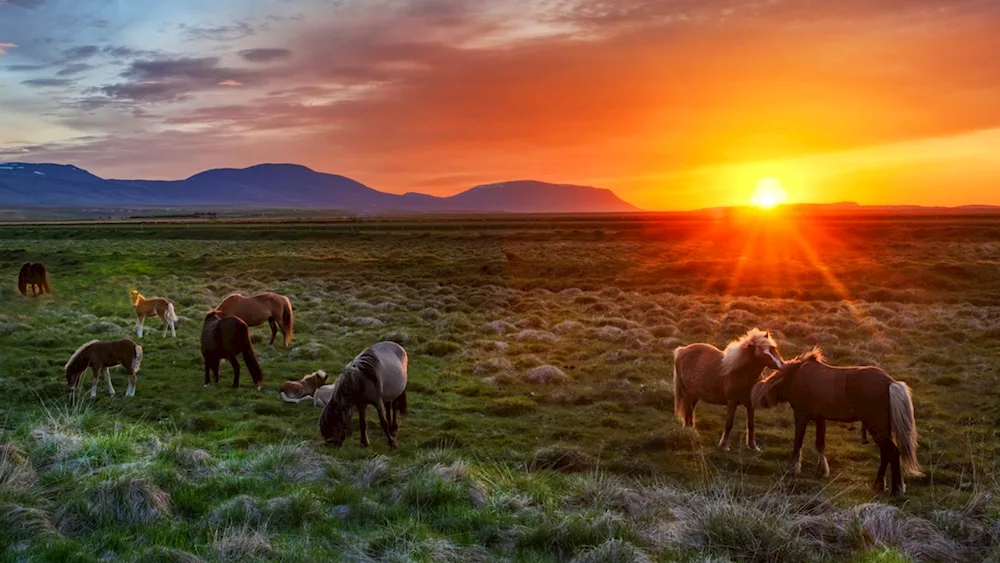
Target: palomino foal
column 155, row 307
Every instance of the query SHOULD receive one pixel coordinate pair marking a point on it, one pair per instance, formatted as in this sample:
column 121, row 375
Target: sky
column 673, row 104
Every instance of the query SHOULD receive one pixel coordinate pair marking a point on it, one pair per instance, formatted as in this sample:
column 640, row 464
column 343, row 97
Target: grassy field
column 540, row 388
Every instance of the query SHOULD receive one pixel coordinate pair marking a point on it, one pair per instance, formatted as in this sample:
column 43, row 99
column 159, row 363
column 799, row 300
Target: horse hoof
column 754, row 448
column 394, row 445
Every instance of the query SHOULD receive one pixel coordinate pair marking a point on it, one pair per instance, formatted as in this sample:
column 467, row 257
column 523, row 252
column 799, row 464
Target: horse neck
column 748, row 373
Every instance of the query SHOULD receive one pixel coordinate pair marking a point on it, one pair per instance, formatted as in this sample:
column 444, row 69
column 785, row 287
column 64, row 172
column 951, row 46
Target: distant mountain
column 25, row 185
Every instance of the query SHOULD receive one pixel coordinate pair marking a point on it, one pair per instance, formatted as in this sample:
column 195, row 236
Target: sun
column 768, row 193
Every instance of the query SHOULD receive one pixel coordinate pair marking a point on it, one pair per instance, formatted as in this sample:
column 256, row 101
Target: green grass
column 541, row 425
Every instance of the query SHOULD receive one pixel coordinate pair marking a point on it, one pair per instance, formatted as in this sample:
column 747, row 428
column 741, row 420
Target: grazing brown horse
column 702, row 372
column 377, row 376
column 155, row 307
column 305, row 388
column 267, row 307
column 819, row 392
column 224, row 338
column 100, row 357
column 36, row 276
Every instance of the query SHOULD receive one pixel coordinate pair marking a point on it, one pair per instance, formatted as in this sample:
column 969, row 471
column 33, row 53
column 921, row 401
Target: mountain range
column 24, row 185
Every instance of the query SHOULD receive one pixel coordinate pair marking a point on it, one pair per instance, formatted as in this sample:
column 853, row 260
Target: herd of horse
column 816, row 391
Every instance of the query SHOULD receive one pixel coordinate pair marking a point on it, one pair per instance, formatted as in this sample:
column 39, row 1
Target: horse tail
column 136, row 359
column 250, row 358
column 22, row 279
column 400, row 404
column 682, row 407
column 171, row 314
column 287, row 321
column 904, row 426
column 45, row 279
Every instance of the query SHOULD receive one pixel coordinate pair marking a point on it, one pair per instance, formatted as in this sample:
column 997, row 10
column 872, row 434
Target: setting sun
column 769, row 193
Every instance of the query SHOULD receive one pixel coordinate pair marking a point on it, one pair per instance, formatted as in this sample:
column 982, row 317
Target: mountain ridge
column 285, row 185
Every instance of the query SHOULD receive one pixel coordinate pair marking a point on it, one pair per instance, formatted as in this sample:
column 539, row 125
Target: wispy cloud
column 265, row 55
column 4, row 46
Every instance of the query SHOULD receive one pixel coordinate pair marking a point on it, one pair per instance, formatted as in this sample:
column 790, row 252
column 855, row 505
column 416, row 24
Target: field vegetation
column 542, row 424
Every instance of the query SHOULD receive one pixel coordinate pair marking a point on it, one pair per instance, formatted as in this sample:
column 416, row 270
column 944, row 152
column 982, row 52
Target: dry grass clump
column 547, row 374
column 886, row 525
column 612, row 551
column 237, row 511
column 541, row 336
column 19, row 523
column 16, row 472
column 374, row 470
column 367, row 322
column 617, row 322
column 610, row 334
column 567, row 327
column 130, row 500
column 241, row 544
column 310, row 351
column 493, row 366
column 292, row 462
column 563, row 458
column 533, row 321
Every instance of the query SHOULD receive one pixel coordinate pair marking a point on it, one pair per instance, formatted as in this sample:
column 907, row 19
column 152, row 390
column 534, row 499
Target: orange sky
column 673, row 104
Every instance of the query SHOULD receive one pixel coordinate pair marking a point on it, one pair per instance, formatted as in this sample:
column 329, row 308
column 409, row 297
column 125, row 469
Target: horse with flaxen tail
column 377, row 376
column 267, row 307
column 819, row 392
column 702, row 372
column 36, row 276
column 225, row 338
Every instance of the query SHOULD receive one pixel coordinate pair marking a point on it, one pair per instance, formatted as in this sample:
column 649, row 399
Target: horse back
column 699, row 367
column 392, row 368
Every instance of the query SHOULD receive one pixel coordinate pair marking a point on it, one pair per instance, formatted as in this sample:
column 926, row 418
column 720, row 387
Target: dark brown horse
column 702, row 372
column 100, row 357
column 377, row 376
column 819, row 392
column 224, row 338
column 36, row 276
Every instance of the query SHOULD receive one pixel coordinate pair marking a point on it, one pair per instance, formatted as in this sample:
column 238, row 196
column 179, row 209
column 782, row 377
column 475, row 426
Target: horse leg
column 166, row 325
column 883, row 446
column 801, row 423
column 363, row 425
column 142, row 324
column 730, row 415
column 393, row 411
column 751, row 433
column 97, row 377
column 689, row 419
column 236, row 372
column 130, row 392
column 864, row 433
column 823, row 469
column 274, row 330
column 380, row 406
column 898, row 488
column 107, row 375
column 173, row 330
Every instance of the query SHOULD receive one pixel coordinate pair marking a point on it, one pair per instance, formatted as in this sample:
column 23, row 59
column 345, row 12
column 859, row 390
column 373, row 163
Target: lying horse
column 224, row 338
column 819, row 392
column 36, row 276
column 377, row 376
column 267, row 307
column 702, row 372
column 155, row 307
column 100, row 357
column 305, row 388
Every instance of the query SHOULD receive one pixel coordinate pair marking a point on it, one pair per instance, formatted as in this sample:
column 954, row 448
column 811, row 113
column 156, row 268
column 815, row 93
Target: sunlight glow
column 768, row 194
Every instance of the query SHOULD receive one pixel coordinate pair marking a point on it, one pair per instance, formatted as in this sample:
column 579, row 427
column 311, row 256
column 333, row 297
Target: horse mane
column 738, row 353
column 788, row 368
column 78, row 352
column 351, row 381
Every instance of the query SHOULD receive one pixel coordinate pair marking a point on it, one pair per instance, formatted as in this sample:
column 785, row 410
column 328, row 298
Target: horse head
column 766, row 350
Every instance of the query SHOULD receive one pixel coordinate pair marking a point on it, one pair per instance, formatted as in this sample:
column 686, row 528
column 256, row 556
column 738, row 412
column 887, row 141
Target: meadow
column 541, row 424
